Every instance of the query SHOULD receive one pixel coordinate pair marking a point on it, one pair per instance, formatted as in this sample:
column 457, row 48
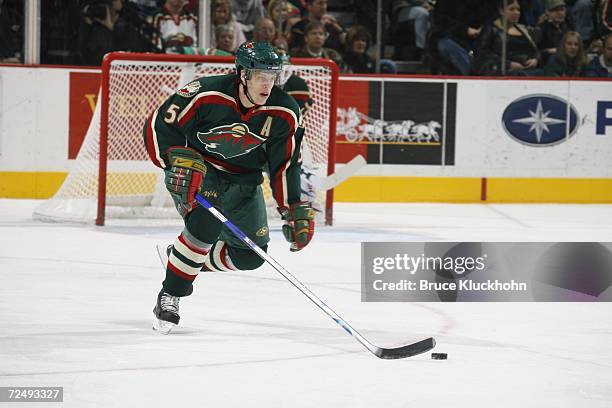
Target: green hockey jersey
column 297, row 88
column 206, row 115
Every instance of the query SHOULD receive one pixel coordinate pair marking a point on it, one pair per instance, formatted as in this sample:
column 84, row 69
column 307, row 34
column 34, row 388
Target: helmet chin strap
column 246, row 91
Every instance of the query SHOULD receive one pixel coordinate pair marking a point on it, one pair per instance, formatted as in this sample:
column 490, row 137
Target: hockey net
column 112, row 176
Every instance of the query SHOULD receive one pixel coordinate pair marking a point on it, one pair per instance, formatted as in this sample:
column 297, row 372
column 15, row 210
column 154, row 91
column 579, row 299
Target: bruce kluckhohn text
column 462, row 267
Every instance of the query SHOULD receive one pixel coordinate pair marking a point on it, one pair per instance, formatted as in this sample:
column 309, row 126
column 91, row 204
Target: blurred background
column 465, row 37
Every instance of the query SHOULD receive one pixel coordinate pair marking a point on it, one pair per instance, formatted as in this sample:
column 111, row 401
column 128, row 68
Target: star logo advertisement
column 540, row 120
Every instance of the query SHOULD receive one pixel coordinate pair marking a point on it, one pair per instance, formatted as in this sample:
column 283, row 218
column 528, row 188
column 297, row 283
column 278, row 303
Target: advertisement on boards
column 397, row 122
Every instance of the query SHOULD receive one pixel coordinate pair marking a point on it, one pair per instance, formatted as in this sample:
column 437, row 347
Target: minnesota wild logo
column 230, row 140
column 189, row 90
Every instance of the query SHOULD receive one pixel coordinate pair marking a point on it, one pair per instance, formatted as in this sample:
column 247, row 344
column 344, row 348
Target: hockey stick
column 345, row 172
column 386, row 353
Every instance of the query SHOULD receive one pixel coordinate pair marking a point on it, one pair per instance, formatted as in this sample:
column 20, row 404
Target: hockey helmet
column 287, row 70
column 257, row 56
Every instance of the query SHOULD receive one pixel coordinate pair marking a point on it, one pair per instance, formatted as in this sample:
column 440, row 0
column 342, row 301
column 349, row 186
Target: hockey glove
column 299, row 224
column 184, row 177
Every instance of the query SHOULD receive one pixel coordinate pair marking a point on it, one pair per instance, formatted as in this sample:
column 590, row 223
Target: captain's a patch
column 189, row 90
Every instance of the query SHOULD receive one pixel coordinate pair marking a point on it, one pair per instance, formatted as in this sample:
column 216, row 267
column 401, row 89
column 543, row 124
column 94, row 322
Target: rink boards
column 425, row 139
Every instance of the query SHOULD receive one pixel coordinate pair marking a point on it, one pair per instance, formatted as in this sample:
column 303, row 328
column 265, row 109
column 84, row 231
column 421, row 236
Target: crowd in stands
column 454, row 37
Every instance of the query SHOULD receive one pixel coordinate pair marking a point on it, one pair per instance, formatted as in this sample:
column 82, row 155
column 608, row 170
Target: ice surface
column 76, row 302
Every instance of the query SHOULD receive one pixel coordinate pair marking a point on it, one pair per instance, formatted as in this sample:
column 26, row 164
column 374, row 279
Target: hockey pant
column 205, row 244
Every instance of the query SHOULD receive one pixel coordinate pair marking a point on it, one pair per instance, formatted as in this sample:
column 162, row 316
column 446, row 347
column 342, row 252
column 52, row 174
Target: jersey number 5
column 171, row 113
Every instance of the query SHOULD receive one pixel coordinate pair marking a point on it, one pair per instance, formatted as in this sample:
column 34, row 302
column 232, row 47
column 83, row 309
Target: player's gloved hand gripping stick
column 184, row 176
column 299, row 224
column 386, row 353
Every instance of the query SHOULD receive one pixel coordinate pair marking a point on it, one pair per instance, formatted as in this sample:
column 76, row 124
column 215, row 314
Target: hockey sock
column 223, row 258
column 184, row 263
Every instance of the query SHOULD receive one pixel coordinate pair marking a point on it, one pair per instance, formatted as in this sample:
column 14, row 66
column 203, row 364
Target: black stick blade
column 406, row 351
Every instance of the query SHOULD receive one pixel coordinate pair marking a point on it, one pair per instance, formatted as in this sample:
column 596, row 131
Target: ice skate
column 166, row 312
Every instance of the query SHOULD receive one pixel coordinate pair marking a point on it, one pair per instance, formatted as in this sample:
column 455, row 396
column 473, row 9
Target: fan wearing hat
column 549, row 32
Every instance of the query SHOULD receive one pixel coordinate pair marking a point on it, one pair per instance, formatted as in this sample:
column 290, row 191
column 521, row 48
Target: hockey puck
column 439, row 356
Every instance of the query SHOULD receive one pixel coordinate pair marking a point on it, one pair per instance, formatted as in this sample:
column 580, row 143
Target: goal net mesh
column 134, row 186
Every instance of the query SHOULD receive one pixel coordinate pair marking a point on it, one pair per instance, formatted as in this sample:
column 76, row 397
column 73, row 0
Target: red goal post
column 322, row 147
column 125, row 183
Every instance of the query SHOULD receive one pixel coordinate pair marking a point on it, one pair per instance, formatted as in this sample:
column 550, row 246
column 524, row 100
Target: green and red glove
column 184, row 177
column 299, row 224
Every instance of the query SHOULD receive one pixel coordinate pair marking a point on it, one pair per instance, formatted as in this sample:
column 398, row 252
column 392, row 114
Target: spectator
column 522, row 55
column 602, row 66
column 314, row 39
column 456, row 26
column 581, row 15
column 547, row 35
column 282, row 10
column 317, row 11
column 357, row 60
column 97, row 37
column 570, row 59
column 177, row 27
column 222, row 15
column 11, row 35
column 413, row 13
column 602, row 27
column 265, row 31
column 532, row 13
column 248, row 12
column 284, row 15
column 224, row 35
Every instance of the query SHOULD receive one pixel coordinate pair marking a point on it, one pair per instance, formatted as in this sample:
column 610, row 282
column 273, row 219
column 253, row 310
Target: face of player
column 315, row 39
column 260, row 85
column 557, row 15
column 512, row 12
column 572, row 47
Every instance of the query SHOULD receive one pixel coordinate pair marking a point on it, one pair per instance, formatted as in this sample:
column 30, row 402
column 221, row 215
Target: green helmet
column 257, row 55
column 287, row 70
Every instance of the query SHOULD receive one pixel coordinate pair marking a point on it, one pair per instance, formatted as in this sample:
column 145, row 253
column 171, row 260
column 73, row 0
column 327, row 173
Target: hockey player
column 214, row 136
column 295, row 86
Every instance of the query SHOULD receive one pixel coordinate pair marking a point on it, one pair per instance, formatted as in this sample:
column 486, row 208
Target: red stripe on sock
column 180, row 273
